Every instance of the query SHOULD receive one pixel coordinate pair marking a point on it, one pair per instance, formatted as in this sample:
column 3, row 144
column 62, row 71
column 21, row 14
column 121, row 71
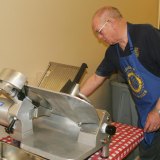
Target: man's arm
column 91, row 84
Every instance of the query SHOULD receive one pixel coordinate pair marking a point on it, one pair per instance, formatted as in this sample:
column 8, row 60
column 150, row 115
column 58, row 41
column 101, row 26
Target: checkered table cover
column 123, row 142
column 7, row 139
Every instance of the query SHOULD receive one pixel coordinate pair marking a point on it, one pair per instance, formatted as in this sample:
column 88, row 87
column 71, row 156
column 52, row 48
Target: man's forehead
column 99, row 17
column 95, row 22
column 98, row 20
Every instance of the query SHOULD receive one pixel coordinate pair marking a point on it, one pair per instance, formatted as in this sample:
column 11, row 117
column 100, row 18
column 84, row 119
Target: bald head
column 108, row 11
column 109, row 25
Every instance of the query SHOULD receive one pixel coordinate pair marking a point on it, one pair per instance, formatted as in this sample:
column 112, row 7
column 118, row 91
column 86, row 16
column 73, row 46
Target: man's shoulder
column 111, row 52
column 141, row 31
column 140, row 27
column 137, row 27
column 111, row 49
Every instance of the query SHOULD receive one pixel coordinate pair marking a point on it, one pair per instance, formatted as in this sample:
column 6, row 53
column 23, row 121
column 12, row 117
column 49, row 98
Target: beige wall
column 34, row 32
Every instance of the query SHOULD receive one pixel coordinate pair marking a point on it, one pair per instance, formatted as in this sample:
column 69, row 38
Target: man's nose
column 101, row 36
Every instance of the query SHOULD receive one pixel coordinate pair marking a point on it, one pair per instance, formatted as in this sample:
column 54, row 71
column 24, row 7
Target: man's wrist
column 157, row 110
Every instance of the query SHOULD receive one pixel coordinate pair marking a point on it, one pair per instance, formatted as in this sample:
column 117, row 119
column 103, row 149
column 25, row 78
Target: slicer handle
column 80, row 73
column 9, row 129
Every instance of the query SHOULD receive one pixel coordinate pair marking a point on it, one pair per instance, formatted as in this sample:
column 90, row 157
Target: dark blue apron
column 144, row 87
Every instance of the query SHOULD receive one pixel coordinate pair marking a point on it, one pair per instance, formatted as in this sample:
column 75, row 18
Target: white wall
column 34, row 32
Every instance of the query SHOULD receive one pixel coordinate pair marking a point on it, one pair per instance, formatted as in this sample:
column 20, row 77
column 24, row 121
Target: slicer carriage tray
column 57, row 136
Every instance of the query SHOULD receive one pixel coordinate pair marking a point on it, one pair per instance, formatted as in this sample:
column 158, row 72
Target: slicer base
column 53, row 144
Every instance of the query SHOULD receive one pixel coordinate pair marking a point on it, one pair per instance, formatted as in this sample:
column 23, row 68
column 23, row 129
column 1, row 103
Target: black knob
column 110, row 129
column 21, row 96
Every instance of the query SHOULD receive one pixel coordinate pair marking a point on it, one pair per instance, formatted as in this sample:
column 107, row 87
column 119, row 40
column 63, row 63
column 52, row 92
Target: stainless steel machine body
column 50, row 124
column 10, row 152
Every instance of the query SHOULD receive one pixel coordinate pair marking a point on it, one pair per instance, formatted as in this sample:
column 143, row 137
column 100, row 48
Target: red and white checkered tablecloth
column 7, row 139
column 123, row 142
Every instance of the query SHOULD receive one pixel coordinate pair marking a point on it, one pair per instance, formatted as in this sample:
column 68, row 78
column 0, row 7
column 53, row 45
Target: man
column 134, row 51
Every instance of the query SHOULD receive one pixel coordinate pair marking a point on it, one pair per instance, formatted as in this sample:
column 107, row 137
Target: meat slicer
column 53, row 125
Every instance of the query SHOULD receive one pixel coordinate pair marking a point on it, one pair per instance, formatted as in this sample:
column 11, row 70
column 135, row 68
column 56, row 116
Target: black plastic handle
column 68, row 87
column 80, row 73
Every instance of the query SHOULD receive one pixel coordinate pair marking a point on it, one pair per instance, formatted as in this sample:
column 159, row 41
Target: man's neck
column 123, row 35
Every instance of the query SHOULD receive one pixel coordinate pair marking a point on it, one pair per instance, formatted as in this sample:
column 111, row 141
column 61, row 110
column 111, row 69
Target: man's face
column 104, row 30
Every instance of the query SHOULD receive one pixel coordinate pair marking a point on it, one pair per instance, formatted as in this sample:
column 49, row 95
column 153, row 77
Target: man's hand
column 152, row 121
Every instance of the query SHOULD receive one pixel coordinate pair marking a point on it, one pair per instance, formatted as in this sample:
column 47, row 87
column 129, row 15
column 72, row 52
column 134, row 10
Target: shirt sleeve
column 107, row 66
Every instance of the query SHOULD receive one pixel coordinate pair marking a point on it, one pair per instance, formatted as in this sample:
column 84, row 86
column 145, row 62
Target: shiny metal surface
column 68, row 106
column 59, row 138
column 9, row 152
column 54, row 125
column 13, row 77
column 56, row 76
column 5, row 104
